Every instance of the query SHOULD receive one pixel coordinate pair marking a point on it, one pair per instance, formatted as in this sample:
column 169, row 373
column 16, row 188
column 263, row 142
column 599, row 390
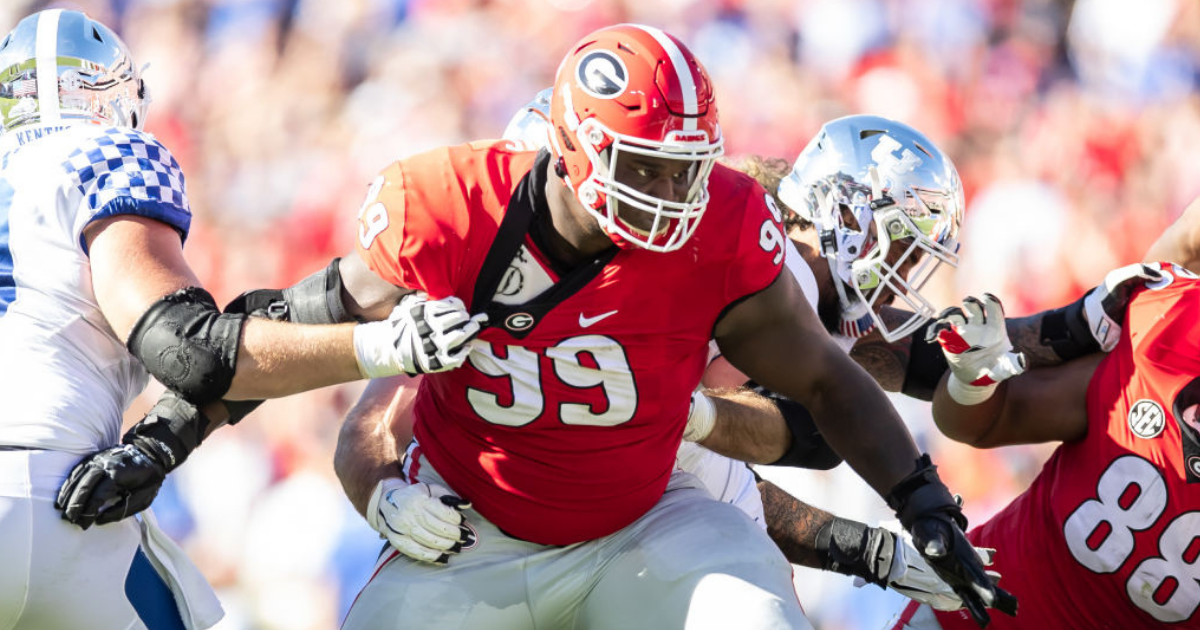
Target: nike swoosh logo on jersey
column 584, row 322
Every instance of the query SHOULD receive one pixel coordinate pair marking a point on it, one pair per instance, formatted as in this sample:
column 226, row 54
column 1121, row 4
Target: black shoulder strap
column 509, row 237
column 528, row 200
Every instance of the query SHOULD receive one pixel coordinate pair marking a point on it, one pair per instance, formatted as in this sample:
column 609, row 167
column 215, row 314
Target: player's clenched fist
column 422, row 521
column 934, row 518
column 911, row 575
column 977, row 348
column 121, row 481
column 420, row 336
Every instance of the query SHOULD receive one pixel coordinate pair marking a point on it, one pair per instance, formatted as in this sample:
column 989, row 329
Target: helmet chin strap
column 856, row 318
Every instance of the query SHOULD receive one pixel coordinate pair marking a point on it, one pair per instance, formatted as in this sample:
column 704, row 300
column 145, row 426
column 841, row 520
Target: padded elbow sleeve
column 926, row 365
column 809, row 448
column 188, row 344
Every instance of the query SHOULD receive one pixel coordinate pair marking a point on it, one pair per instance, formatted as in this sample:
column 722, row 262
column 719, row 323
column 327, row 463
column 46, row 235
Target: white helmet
column 530, row 126
column 60, row 66
column 861, row 172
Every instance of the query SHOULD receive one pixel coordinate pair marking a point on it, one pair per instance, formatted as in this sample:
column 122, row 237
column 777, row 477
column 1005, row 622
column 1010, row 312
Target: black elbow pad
column 188, row 344
column 809, row 448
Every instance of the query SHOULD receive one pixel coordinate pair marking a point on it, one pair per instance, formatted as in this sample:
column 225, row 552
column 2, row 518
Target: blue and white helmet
column 530, row 126
column 880, row 196
column 60, row 67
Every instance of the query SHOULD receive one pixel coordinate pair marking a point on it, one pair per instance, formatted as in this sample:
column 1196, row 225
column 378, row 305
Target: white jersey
column 65, row 378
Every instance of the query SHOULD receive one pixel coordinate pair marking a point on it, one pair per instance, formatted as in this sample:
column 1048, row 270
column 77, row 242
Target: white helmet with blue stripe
column 61, row 67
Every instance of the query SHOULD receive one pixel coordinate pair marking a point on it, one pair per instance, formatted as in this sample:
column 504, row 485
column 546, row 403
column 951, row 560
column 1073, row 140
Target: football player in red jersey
column 1114, row 515
column 562, row 424
column 418, row 524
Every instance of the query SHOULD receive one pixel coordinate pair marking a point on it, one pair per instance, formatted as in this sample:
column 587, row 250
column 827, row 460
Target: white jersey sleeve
column 66, row 378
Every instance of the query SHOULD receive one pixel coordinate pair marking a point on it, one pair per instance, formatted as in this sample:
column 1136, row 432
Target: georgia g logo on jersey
column 602, row 74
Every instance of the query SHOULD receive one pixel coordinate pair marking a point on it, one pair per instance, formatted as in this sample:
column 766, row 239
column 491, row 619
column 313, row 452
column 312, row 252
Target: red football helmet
column 635, row 89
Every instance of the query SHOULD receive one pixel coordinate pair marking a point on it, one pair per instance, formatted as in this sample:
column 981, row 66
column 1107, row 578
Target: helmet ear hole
column 848, row 218
column 566, row 139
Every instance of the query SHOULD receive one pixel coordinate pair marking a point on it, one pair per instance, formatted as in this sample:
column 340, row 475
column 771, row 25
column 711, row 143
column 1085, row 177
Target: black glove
column 934, row 518
column 118, row 482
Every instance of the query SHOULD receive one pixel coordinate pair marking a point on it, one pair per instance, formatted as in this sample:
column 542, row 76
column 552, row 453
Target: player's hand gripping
column 1104, row 306
column 419, row 337
column 936, row 522
column 422, row 521
column 977, row 348
column 123, row 480
column 910, row 575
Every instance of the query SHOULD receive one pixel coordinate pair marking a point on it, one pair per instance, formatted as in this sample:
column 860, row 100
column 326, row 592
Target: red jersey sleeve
column 759, row 252
column 410, row 234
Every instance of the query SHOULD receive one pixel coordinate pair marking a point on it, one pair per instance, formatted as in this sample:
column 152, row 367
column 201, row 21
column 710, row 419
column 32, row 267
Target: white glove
column 1104, row 306
column 702, row 414
column 977, row 348
column 911, row 575
column 422, row 521
column 420, row 336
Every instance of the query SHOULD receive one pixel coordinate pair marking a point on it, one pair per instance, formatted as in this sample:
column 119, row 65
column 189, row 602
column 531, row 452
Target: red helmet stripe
column 683, row 73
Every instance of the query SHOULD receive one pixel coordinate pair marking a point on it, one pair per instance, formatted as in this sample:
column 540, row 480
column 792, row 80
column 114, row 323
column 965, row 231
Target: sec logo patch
column 1146, row 419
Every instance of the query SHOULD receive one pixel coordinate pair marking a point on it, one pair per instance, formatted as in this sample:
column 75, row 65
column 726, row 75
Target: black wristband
column 171, row 430
column 851, row 548
column 239, row 409
column 922, row 493
column 926, row 365
column 1066, row 332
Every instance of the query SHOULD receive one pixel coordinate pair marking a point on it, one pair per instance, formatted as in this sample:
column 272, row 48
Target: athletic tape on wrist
column 702, row 415
column 966, row 394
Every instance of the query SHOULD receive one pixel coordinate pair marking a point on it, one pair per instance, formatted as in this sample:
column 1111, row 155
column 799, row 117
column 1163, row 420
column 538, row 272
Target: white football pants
column 56, row 576
column 689, row 563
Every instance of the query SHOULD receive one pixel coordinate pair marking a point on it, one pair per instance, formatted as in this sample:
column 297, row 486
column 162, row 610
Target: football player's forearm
column 859, row 422
column 1026, row 336
column 793, row 525
column 968, row 424
column 279, row 359
column 1180, row 242
column 748, row 427
column 366, row 449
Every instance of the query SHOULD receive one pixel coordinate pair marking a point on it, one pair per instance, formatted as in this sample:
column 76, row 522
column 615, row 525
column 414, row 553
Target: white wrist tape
column 702, row 415
column 374, row 344
column 966, row 394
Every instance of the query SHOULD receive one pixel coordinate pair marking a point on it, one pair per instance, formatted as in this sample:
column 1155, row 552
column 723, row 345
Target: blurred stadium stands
column 1071, row 123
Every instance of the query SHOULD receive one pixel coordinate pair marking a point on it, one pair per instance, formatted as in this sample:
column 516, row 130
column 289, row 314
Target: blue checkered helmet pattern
column 125, row 171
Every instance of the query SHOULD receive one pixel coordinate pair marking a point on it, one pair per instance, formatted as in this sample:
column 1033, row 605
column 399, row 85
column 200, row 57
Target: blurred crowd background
column 1071, row 123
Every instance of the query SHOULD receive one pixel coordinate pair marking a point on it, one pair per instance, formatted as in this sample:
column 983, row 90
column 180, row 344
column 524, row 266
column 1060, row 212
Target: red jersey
column 564, row 423
column 1107, row 536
